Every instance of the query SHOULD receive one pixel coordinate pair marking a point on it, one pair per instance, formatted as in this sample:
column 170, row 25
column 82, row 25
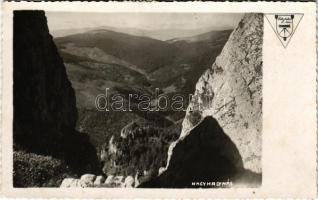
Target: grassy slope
column 32, row 170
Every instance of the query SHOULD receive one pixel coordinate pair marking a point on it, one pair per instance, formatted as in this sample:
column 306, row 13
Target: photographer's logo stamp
column 284, row 25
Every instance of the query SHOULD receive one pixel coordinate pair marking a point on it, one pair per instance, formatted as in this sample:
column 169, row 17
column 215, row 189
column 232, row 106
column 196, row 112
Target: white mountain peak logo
column 284, row 25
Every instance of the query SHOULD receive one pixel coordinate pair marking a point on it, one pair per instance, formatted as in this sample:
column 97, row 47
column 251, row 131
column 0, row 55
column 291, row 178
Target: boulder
column 115, row 181
column 99, row 180
column 129, row 182
column 109, row 179
column 88, row 180
column 69, row 182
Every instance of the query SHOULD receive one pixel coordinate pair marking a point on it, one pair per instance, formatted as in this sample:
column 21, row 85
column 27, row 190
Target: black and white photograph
column 137, row 99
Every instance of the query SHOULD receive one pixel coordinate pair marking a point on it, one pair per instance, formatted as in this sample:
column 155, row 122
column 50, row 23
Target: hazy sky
column 63, row 20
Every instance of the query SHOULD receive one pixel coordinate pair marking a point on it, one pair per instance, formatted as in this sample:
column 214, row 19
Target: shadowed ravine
column 207, row 154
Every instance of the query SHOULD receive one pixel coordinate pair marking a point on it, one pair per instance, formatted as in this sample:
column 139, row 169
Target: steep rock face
column 221, row 135
column 231, row 91
column 45, row 111
column 43, row 95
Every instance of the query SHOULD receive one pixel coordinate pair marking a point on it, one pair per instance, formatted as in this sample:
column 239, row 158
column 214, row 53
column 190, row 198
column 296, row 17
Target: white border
column 289, row 103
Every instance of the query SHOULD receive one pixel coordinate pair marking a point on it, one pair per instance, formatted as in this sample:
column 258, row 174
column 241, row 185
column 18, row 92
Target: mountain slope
column 175, row 65
column 194, row 57
column 130, row 48
column 213, row 36
column 92, row 66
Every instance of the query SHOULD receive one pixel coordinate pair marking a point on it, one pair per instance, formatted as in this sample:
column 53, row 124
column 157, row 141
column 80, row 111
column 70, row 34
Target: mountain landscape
column 91, row 147
column 129, row 64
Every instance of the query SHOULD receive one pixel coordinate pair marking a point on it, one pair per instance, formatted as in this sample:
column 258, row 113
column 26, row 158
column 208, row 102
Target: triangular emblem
column 284, row 25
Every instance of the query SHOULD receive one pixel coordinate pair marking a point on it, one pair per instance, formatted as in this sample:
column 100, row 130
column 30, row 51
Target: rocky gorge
column 222, row 141
column 54, row 134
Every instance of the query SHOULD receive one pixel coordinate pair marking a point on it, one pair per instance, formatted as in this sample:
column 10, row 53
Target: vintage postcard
column 158, row 100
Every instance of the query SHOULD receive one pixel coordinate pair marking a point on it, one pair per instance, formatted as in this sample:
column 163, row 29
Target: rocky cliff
column 234, row 83
column 222, row 129
column 45, row 111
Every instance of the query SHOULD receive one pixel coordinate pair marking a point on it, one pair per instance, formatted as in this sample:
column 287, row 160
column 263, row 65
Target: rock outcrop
column 45, row 111
column 71, row 183
column 90, row 180
column 221, row 135
column 44, row 99
column 86, row 180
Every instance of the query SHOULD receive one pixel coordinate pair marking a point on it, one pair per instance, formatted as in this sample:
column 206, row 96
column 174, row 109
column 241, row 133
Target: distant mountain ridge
column 211, row 35
column 159, row 34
